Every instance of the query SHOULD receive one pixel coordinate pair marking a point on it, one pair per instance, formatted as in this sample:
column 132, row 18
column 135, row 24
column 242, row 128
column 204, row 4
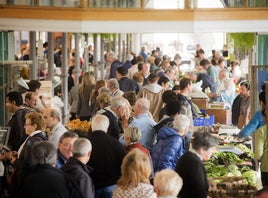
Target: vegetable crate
column 204, row 121
column 230, row 187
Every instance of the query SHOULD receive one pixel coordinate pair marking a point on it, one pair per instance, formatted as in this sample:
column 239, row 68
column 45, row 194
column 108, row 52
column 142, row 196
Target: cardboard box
column 202, row 103
column 222, row 116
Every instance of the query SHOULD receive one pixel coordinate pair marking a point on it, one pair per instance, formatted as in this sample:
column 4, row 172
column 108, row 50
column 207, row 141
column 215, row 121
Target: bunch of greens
column 246, row 150
column 224, row 165
column 214, row 170
column 251, row 177
column 225, row 158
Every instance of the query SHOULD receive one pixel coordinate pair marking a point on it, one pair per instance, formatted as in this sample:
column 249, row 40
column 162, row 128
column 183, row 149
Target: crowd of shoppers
column 141, row 142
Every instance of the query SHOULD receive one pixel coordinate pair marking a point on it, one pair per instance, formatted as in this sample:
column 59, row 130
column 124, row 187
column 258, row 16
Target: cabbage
column 251, row 177
column 236, row 172
column 229, row 174
column 232, row 167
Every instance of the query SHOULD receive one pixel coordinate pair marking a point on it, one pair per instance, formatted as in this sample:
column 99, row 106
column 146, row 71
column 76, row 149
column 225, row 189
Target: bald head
column 100, row 123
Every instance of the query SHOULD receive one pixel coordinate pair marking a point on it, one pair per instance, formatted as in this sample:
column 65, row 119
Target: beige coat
column 153, row 92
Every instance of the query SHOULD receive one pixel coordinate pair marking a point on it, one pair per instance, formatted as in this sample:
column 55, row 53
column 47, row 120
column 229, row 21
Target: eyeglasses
column 66, row 144
column 27, row 124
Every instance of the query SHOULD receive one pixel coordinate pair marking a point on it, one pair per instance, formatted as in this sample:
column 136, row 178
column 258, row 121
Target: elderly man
column 171, row 74
column 113, row 86
column 30, row 101
column 106, row 157
column 54, row 183
column 144, row 122
column 113, row 60
column 65, row 148
column 53, row 122
column 145, row 70
column 117, row 109
column 223, row 74
column 34, row 86
column 76, row 166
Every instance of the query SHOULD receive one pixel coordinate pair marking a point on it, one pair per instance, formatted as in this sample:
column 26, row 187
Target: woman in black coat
column 190, row 166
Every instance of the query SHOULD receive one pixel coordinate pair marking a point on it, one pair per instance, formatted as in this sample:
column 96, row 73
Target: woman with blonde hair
column 134, row 182
column 167, row 183
column 22, row 160
column 104, row 100
column 84, row 92
column 132, row 136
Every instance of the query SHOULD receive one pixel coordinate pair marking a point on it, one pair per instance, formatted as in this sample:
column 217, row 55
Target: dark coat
column 207, row 82
column 165, row 122
column 127, row 64
column 61, row 160
column 24, row 163
column 126, row 84
column 236, row 110
column 114, row 66
column 80, row 174
column 192, row 171
column 114, row 128
column 17, row 131
column 25, row 158
column 46, row 181
column 106, row 159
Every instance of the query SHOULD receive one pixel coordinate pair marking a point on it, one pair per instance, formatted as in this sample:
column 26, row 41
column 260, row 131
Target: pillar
column 65, row 68
column 77, row 58
column 96, row 55
column 34, row 65
column 50, row 55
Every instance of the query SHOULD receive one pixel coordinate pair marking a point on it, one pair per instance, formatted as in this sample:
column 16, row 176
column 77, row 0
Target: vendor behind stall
column 257, row 120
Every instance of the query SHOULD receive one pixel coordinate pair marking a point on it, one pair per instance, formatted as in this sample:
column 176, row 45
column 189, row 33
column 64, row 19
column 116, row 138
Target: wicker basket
column 230, row 187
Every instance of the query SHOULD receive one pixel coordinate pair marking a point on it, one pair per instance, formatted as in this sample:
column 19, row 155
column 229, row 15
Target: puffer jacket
column 169, row 148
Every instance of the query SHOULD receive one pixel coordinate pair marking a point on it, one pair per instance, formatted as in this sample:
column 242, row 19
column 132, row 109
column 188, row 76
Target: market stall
column 231, row 170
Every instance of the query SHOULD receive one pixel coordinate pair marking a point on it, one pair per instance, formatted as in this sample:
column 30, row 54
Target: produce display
column 230, row 173
column 229, row 176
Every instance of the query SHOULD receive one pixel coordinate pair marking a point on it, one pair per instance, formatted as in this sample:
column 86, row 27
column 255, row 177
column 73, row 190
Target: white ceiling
column 134, row 26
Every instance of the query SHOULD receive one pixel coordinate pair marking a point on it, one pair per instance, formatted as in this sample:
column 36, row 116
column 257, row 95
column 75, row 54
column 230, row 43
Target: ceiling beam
column 89, row 14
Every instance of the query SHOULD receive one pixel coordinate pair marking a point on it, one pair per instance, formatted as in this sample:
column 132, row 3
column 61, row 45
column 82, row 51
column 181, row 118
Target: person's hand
column 125, row 114
column 212, row 95
column 12, row 156
column 2, row 157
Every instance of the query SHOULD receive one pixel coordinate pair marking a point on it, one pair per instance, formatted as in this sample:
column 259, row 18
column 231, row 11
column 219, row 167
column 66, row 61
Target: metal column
column 95, row 55
column 118, row 42
column 50, row 55
column 77, row 59
column 102, row 61
column 64, row 66
column 34, row 65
